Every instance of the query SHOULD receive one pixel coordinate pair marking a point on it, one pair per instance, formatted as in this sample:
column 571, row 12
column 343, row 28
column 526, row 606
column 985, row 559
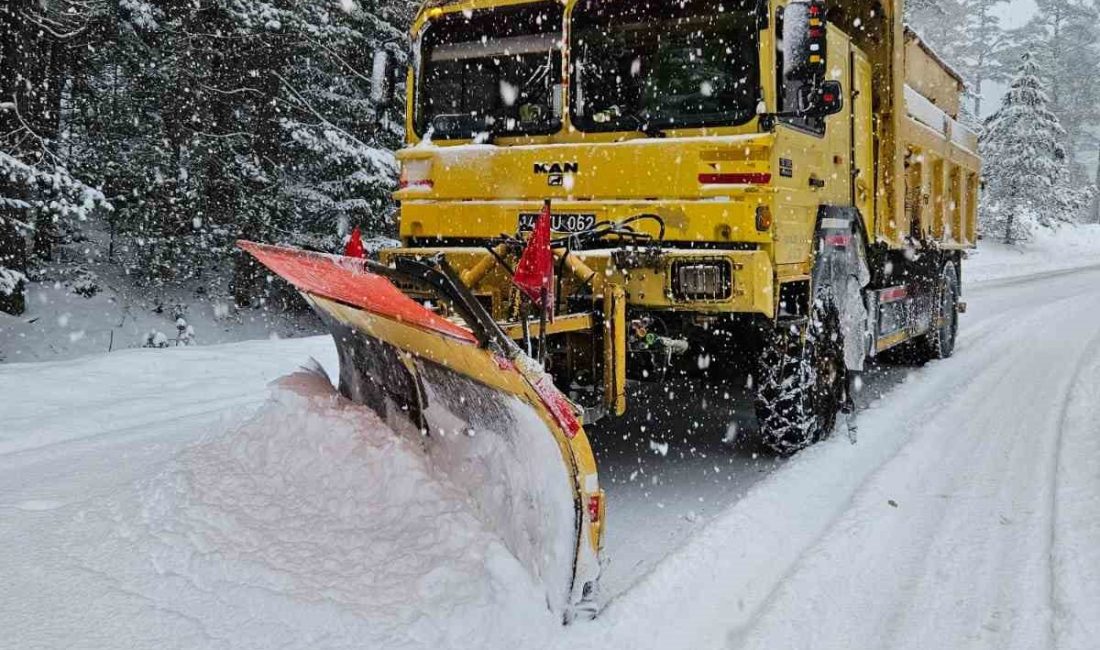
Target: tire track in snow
column 993, row 378
column 722, row 581
column 641, row 536
column 1068, row 629
column 913, row 568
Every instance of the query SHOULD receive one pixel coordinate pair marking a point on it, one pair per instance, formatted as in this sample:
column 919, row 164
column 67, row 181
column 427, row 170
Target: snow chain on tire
column 796, row 405
column 939, row 343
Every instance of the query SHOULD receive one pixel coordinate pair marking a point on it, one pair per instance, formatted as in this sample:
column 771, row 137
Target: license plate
column 570, row 223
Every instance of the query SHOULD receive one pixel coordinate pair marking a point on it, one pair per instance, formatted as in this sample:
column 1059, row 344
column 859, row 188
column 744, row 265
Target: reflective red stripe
column 594, row 508
column 558, row 406
column 890, row 295
column 745, row 178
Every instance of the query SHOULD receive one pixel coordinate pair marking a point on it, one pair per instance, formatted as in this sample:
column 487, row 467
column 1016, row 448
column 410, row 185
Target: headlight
column 709, row 280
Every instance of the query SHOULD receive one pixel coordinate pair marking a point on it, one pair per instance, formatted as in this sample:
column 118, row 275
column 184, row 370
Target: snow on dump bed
column 311, row 525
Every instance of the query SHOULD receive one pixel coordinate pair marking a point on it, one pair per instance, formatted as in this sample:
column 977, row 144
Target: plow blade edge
column 486, row 415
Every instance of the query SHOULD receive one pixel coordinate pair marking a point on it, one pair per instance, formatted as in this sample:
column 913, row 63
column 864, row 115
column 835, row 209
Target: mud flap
column 486, row 415
column 842, row 271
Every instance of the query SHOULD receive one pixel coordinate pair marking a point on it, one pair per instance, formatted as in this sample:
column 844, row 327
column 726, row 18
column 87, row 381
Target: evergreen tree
column 203, row 121
column 1025, row 161
column 208, row 121
column 38, row 194
column 1064, row 39
column 979, row 55
column 940, row 24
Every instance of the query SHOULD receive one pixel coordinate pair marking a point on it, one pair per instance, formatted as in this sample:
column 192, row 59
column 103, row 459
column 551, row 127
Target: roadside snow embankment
column 61, row 324
column 1069, row 247
column 310, row 525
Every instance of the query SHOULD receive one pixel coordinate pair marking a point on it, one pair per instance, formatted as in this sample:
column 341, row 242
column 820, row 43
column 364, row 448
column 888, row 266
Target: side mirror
column 821, row 100
column 381, row 79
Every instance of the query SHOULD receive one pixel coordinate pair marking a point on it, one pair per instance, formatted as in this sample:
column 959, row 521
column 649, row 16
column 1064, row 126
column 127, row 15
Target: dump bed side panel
column 931, row 196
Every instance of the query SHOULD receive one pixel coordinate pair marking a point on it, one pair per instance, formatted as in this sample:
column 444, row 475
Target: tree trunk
column 31, row 73
column 267, row 151
column 13, row 252
column 1096, row 189
column 12, row 256
column 978, row 80
column 1010, row 222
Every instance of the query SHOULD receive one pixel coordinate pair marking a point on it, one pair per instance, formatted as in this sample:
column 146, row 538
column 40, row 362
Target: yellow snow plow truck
column 777, row 185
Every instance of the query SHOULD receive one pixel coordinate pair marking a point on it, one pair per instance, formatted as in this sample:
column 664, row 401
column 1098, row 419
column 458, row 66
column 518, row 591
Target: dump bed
column 928, row 171
column 940, row 153
column 930, row 76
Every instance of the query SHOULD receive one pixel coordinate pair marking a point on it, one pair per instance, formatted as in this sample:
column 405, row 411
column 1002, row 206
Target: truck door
column 862, row 157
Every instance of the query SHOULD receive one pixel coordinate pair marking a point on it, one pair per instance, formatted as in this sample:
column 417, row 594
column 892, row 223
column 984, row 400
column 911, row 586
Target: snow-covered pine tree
column 979, row 54
column 1025, row 161
column 38, row 194
column 321, row 153
column 1064, row 39
column 215, row 120
column 203, row 122
column 340, row 138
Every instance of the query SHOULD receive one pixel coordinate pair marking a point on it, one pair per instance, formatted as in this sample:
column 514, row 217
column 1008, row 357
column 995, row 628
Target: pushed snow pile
column 313, row 525
column 495, row 448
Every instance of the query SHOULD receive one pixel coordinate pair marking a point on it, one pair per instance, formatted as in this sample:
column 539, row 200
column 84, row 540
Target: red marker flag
column 535, row 271
column 354, row 247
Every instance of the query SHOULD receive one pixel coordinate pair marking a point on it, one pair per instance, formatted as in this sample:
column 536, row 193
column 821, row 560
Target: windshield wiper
column 463, row 126
column 495, row 127
column 645, row 127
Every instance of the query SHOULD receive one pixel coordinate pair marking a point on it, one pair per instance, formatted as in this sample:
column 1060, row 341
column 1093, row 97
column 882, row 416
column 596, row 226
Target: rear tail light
column 416, row 174
column 595, row 507
column 743, row 178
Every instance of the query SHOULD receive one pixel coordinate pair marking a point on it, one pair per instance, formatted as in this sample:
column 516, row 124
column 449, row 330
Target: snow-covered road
column 968, row 514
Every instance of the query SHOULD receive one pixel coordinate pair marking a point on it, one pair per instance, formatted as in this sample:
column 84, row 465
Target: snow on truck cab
column 597, row 191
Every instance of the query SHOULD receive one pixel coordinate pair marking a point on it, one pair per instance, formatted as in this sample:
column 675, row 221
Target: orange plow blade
column 485, row 413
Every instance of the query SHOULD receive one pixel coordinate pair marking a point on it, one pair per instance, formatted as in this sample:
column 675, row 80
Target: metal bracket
column 436, row 275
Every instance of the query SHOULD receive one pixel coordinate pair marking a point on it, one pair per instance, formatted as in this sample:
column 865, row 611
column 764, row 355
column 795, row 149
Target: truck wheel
column 939, row 343
column 800, row 382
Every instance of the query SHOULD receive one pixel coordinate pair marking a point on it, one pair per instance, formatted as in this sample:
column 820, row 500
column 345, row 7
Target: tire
column 801, row 381
column 939, row 343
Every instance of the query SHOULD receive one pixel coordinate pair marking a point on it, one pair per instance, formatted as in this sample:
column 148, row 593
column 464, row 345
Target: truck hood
column 636, row 169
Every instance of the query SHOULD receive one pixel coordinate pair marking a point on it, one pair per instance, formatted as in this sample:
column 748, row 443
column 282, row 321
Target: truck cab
column 704, row 163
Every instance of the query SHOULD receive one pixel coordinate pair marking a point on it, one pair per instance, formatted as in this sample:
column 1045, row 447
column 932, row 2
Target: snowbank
column 312, row 525
column 495, row 448
column 1066, row 248
column 61, row 324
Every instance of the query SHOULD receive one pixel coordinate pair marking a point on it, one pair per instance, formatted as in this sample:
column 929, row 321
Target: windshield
column 495, row 72
column 642, row 64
